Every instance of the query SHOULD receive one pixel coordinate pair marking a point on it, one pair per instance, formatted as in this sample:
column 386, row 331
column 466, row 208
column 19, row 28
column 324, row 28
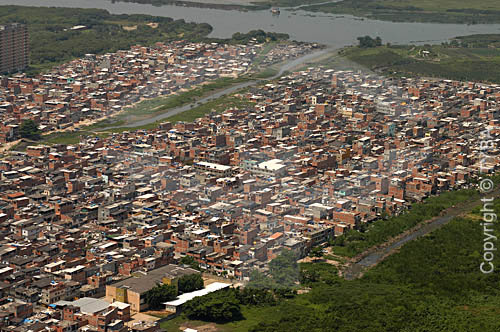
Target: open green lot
column 150, row 107
column 474, row 58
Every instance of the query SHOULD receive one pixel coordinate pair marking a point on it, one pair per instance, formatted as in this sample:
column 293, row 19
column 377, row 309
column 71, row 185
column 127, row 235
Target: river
column 284, row 67
column 374, row 257
column 332, row 30
column 356, row 269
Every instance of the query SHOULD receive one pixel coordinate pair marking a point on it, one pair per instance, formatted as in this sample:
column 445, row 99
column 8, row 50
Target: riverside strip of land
column 473, row 58
column 358, row 265
column 444, row 11
column 188, row 103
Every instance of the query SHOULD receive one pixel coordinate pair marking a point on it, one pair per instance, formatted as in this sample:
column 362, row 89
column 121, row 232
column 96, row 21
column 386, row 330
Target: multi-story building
column 132, row 290
column 14, row 47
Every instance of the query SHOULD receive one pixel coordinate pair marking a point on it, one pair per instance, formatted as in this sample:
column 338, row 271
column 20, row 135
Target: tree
column 367, row 42
column 284, row 269
column 188, row 260
column 255, row 296
column 220, row 306
column 190, row 283
column 159, row 294
column 259, row 280
column 30, row 130
column 316, row 252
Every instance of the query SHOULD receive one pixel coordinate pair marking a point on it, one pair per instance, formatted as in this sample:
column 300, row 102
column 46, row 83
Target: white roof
column 214, row 166
column 183, row 298
column 273, row 164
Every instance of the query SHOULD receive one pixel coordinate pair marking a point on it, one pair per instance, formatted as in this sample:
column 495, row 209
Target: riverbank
column 337, row 30
column 356, row 266
column 147, row 108
column 186, row 106
column 211, row 4
column 448, row 11
column 470, row 58
column 186, row 110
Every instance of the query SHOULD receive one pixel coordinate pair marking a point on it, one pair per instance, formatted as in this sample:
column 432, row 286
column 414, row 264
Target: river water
column 356, row 270
column 333, row 30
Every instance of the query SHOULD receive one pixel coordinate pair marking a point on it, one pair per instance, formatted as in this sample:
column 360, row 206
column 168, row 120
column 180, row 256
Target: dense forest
column 432, row 284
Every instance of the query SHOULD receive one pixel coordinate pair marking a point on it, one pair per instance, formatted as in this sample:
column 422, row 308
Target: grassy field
column 444, row 11
column 151, row 107
column 217, row 105
column 468, row 58
column 252, row 316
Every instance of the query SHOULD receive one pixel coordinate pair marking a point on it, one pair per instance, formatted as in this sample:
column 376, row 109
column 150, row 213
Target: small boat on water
column 275, row 11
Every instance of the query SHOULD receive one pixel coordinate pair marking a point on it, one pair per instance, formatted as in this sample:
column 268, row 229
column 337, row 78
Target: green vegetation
column 190, row 283
column 226, row 305
column 29, row 129
column 147, row 107
column 443, row 11
column 217, row 105
column 368, row 42
column 68, row 137
column 252, row 5
column 283, row 276
column 266, row 73
column 316, row 252
column 355, row 242
column 475, row 58
column 259, row 35
column 223, row 6
column 432, row 284
column 221, row 306
column 188, row 260
column 290, row 3
column 159, row 294
column 151, row 107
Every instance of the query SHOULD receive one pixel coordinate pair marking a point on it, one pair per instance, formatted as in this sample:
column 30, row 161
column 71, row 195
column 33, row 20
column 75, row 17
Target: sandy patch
column 202, row 328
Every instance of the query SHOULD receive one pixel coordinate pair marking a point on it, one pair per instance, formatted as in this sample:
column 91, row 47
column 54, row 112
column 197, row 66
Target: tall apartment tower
column 14, row 47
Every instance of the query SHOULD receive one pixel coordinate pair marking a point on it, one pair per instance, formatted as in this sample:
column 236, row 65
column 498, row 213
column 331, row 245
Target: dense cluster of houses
column 96, row 87
column 318, row 153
